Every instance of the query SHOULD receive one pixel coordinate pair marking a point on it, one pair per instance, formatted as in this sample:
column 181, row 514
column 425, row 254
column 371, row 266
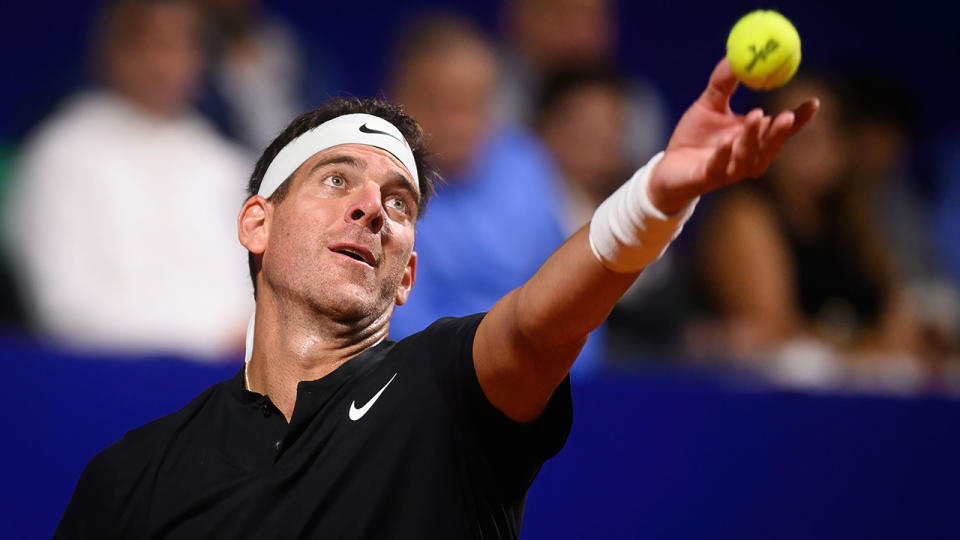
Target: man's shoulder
column 109, row 498
column 139, row 445
column 68, row 125
column 449, row 328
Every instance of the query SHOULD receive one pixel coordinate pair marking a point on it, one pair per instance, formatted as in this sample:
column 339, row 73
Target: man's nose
column 366, row 209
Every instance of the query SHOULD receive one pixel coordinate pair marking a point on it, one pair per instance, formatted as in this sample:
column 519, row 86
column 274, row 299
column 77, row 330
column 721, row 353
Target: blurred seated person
column 581, row 116
column 121, row 219
column 581, row 112
column 497, row 215
column 545, row 36
column 797, row 254
column 946, row 225
column 883, row 117
column 946, row 216
column 11, row 305
column 260, row 74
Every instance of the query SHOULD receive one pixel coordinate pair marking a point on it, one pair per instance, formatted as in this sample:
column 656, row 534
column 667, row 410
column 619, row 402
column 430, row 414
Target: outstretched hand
column 712, row 147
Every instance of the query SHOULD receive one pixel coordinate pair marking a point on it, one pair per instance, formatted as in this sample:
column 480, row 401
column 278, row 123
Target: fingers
column 747, row 146
column 784, row 126
column 765, row 127
column 753, row 143
column 780, row 129
column 718, row 163
column 720, row 87
column 804, row 113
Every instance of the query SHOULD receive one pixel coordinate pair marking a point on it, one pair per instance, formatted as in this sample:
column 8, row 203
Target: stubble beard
column 359, row 302
column 335, row 290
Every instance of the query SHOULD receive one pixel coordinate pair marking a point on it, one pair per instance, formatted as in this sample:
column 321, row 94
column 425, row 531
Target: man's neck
column 146, row 110
column 294, row 345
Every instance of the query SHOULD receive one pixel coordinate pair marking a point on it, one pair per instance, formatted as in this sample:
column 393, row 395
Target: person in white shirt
column 121, row 221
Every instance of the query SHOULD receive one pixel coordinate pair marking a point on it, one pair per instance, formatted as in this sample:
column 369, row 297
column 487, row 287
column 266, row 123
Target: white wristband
column 627, row 232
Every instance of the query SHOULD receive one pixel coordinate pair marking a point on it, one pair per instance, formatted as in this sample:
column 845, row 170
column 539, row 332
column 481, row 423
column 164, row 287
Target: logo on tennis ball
column 761, row 55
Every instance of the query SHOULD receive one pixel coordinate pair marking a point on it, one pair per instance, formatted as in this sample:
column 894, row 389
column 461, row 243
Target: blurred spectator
column 544, row 36
column 942, row 302
column 444, row 74
column 497, row 218
column 258, row 72
column 883, row 117
column 581, row 112
column 799, row 254
column 122, row 215
column 947, row 218
column 11, row 305
column 580, row 115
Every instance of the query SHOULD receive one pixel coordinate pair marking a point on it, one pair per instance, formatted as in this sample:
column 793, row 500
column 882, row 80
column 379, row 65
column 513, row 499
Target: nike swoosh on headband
column 366, row 129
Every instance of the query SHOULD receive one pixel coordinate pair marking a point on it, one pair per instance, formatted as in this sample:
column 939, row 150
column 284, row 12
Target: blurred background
column 790, row 369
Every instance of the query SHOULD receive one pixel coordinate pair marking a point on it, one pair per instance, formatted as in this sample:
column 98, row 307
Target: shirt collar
column 359, row 363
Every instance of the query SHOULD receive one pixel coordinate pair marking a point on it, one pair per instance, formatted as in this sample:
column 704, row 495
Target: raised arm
column 529, row 340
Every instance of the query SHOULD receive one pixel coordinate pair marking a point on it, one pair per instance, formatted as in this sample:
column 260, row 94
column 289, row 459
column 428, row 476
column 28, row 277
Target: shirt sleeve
column 519, row 449
column 90, row 512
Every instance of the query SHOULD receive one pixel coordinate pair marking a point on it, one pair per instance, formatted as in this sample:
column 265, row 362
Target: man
column 337, row 432
column 543, row 36
column 122, row 186
column 498, row 182
column 580, row 114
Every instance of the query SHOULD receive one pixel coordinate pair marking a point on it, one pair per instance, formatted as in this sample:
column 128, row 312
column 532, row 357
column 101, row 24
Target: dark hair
column 872, row 96
column 561, row 83
column 331, row 109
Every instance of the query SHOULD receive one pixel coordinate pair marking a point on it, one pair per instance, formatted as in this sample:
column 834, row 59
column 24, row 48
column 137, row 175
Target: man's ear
column 406, row 283
column 253, row 224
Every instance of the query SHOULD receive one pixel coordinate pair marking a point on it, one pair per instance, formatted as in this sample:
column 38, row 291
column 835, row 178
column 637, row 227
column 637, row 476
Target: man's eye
column 398, row 204
column 335, row 181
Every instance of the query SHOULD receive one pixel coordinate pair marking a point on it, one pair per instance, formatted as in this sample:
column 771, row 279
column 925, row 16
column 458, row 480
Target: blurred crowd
column 831, row 271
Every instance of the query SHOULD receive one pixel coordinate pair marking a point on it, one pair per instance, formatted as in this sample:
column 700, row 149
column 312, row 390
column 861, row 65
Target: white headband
column 350, row 128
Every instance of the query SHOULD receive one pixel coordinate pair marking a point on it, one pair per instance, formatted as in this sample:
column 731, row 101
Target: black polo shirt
column 398, row 442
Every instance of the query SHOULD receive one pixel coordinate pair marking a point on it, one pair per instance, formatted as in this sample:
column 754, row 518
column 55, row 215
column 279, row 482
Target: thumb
column 721, row 86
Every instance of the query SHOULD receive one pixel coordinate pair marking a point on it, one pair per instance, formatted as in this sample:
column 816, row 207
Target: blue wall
column 655, row 455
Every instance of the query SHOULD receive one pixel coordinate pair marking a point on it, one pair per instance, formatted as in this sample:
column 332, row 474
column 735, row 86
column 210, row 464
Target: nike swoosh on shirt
column 356, row 414
column 366, row 129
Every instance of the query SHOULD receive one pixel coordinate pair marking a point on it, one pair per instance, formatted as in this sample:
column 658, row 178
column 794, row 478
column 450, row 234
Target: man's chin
column 353, row 305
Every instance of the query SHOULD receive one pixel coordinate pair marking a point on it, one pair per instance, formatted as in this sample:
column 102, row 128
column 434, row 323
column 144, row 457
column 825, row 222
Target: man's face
column 342, row 238
column 585, row 134
column 450, row 94
column 551, row 33
column 155, row 60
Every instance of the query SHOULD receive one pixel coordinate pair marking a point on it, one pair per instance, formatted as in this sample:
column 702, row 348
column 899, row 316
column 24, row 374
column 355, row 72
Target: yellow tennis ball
column 764, row 49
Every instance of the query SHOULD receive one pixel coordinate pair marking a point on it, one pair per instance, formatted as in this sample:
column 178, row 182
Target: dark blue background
column 654, row 455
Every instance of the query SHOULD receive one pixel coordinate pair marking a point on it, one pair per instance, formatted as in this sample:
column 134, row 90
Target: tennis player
column 331, row 430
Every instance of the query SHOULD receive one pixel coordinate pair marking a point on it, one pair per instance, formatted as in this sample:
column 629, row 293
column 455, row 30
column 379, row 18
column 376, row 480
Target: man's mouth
column 356, row 252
